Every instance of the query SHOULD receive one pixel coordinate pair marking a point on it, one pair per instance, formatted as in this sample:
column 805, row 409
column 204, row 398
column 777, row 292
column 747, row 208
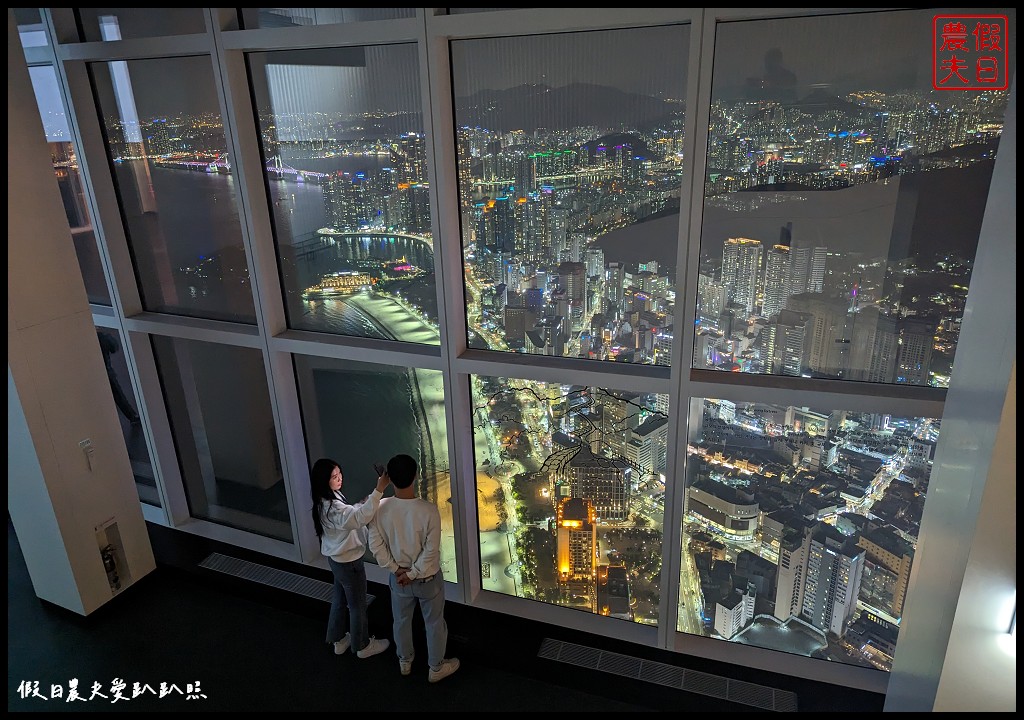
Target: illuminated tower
column 741, row 269
column 504, row 225
column 652, row 437
column 572, row 277
column 603, row 482
column 819, row 578
column 576, row 552
column 788, row 342
column 412, row 159
column 594, row 260
column 776, row 265
column 710, row 300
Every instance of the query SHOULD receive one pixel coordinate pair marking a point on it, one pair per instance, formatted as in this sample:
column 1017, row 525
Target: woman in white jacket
column 341, row 528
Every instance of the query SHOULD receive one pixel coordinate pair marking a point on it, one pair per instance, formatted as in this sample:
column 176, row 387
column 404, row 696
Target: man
column 405, row 537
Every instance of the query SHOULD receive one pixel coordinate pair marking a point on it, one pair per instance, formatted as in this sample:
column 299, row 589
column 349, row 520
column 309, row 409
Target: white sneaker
column 341, row 647
column 374, row 647
column 446, row 668
column 405, row 665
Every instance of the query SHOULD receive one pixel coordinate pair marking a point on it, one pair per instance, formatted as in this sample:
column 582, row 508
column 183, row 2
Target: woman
column 341, row 528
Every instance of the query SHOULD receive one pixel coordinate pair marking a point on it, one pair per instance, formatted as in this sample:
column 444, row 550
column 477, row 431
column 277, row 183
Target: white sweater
column 344, row 539
column 406, row 533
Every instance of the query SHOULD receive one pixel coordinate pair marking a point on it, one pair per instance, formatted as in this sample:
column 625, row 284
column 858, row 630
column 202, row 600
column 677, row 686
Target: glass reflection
column 569, row 165
column 800, row 527
column 570, row 487
column 218, row 404
column 828, row 248
column 360, row 414
column 165, row 140
column 304, row 17
column 69, row 181
column 31, row 30
column 345, row 162
column 128, row 414
column 107, row 24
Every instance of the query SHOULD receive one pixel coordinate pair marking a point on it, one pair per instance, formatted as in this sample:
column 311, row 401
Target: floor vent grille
column 738, row 691
column 280, row 579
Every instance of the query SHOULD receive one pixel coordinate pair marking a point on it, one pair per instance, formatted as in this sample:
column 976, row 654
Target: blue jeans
column 348, row 603
column 429, row 595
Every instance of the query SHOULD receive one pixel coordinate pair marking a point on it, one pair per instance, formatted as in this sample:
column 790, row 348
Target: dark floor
column 253, row 648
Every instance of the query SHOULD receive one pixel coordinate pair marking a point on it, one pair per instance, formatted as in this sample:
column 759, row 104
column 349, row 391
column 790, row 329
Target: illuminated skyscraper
column 819, row 578
column 710, row 301
column 741, row 270
column 576, row 552
column 775, row 270
column 572, row 277
column 652, row 435
column 788, row 342
column 594, row 259
column 605, row 483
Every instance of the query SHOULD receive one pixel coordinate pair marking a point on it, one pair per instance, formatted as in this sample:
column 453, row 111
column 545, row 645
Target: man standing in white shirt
column 405, row 537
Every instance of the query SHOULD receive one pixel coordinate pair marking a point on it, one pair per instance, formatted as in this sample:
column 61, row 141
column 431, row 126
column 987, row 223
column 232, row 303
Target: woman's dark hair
column 320, row 491
column 402, row 470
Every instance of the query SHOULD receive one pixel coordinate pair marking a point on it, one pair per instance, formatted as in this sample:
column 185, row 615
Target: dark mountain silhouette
column 819, row 101
column 383, row 128
column 528, row 107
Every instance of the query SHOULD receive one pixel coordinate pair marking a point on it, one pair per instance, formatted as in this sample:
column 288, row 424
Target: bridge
column 276, row 168
column 385, row 244
column 219, row 164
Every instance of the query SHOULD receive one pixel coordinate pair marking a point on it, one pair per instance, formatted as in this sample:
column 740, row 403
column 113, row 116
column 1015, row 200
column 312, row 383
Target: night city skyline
column 821, row 256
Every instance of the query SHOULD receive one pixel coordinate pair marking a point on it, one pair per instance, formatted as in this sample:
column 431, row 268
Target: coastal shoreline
column 428, row 455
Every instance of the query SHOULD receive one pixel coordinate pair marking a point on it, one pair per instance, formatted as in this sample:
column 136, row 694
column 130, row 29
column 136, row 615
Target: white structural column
column 962, row 578
column 980, row 668
column 71, row 493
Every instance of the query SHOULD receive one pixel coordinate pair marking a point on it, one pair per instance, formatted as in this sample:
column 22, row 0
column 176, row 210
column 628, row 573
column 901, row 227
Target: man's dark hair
column 402, row 470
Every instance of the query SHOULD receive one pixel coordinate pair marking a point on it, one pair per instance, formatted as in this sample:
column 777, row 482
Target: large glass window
column 834, row 235
column 166, row 144
column 219, row 408
column 828, row 248
column 570, row 487
column 569, row 160
column 128, row 414
column 359, row 414
column 69, row 181
column 800, row 527
column 345, row 161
